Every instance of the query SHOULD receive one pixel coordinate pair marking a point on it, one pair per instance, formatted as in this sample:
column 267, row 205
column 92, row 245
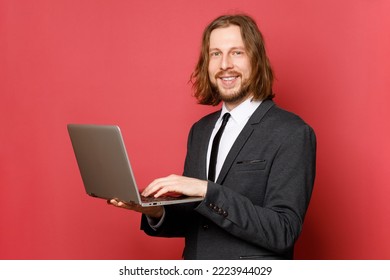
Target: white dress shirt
column 239, row 116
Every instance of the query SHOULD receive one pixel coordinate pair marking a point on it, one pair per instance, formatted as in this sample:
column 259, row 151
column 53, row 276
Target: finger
column 113, row 201
column 122, row 204
column 148, row 190
column 164, row 191
column 155, row 186
column 171, row 187
column 158, row 184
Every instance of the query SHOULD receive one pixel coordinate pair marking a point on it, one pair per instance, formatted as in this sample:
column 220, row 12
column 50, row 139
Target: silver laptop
column 105, row 167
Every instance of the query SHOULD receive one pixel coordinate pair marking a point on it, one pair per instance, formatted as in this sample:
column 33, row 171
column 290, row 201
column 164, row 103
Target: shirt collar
column 242, row 112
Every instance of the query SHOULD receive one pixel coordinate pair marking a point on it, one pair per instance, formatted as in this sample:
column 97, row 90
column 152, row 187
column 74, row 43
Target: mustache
column 227, row 73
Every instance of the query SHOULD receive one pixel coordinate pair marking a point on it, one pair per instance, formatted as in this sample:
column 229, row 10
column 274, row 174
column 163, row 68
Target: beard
column 239, row 95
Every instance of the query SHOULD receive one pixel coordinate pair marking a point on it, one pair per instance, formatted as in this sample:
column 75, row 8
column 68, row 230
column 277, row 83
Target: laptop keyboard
column 161, row 198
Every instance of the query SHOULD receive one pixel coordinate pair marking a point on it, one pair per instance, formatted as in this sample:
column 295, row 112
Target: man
column 254, row 206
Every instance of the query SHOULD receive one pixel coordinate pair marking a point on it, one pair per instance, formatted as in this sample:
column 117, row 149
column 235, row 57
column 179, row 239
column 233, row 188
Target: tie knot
column 225, row 118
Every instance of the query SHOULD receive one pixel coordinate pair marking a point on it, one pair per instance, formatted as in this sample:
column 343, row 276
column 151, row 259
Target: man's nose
column 226, row 62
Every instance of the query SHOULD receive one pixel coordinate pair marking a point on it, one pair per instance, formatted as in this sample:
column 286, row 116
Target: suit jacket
column 256, row 208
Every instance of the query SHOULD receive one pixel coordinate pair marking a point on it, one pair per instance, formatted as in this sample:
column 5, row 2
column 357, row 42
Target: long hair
column 261, row 79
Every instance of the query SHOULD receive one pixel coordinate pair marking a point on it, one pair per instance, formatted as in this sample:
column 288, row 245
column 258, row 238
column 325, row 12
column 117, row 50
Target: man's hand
column 152, row 211
column 176, row 184
column 165, row 186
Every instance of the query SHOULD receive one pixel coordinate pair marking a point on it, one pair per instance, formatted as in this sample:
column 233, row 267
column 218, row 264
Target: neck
column 231, row 105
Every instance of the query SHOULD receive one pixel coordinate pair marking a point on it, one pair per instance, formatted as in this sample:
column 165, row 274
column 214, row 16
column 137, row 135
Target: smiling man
column 252, row 162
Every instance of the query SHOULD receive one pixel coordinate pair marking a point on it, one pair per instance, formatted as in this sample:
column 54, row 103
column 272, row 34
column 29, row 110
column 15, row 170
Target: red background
column 129, row 62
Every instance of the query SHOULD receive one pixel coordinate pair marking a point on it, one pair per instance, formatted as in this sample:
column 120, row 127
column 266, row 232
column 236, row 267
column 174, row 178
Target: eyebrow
column 231, row 49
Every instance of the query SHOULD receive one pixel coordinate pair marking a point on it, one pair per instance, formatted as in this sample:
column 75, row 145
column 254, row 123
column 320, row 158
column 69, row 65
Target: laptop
column 105, row 167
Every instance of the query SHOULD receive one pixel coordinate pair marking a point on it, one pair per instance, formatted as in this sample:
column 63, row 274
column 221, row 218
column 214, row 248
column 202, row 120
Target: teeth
column 228, row 78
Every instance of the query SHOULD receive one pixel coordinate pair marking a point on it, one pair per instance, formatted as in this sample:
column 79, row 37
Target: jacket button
column 220, row 211
column 211, row 205
column 225, row 214
column 205, row 227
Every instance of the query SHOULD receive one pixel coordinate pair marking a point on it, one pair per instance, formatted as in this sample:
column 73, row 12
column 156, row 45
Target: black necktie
column 215, row 147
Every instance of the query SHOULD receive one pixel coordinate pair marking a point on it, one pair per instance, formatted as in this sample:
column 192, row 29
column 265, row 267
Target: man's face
column 229, row 65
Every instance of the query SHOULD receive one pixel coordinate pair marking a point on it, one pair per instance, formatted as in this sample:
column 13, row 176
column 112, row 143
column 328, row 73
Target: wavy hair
column 261, row 78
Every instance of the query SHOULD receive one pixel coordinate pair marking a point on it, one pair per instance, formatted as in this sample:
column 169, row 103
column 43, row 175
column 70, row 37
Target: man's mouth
column 230, row 78
column 227, row 76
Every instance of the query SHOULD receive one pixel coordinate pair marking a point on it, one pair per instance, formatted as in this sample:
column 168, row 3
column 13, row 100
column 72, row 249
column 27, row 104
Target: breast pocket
column 251, row 165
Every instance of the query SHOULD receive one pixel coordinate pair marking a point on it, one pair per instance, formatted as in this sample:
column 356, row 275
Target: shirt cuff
column 154, row 223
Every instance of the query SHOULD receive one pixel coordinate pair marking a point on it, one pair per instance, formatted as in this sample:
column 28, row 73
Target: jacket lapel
column 243, row 138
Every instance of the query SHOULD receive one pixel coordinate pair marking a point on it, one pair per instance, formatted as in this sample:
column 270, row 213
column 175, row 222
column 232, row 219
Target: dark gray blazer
column 256, row 208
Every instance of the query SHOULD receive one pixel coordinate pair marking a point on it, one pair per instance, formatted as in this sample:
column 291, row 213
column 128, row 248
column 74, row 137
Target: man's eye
column 238, row 53
column 215, row 54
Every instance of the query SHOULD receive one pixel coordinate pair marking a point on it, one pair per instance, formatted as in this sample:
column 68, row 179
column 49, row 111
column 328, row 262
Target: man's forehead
column 228, row 35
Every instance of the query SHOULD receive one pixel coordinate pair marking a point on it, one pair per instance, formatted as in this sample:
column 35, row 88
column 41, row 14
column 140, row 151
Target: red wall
column 128, row 63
